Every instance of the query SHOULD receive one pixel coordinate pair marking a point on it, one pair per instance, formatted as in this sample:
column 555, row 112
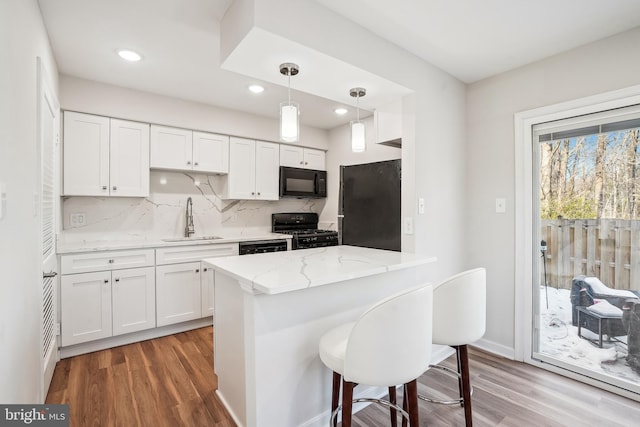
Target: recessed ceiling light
column 129, row 55
column 256, row 88
column 340, row 111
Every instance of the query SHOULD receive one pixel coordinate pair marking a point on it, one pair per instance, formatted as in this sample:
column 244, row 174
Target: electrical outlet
column 408, row 225
column 501, row 205
column 421, row 205
column 77, row 219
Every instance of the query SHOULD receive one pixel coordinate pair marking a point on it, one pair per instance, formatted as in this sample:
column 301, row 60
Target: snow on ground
column 559, row 339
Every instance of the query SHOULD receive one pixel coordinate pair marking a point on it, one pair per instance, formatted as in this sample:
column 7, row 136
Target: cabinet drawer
column 103, row 261
column 179, row 254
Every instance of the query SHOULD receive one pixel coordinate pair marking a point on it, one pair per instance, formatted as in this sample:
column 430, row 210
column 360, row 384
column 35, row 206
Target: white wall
column 340, row 154
column 22, row 40
column 602, row 66
column 98, row 98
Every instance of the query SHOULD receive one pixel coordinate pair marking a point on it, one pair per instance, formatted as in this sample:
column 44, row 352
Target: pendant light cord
column 358, row 107
column 289, row 86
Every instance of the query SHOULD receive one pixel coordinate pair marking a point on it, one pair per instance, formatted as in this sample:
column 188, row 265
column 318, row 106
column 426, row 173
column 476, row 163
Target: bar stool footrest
column 457, row 401
column 382, row 402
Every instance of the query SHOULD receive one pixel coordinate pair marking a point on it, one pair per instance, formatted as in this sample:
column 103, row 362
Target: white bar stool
column 459, row 318
column 389, row 345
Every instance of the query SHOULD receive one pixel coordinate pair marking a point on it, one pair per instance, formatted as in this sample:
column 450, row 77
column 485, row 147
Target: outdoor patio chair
column 586, row 291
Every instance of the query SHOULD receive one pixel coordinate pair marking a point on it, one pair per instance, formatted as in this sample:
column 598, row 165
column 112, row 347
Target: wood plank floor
column 169, row 381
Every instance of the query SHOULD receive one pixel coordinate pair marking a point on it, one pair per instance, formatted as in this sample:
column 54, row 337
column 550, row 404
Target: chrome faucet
column 189, row 228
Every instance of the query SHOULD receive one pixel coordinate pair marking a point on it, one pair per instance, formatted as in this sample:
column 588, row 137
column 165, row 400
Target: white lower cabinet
column 178, row 296
column 106, row 293
column 184, row 285
column 106, row 303
column 206, row 282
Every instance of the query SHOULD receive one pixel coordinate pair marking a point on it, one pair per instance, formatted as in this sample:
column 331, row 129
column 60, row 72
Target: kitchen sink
column 193, row 238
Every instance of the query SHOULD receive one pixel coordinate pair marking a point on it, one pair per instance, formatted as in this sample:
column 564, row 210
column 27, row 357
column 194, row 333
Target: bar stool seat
column 389, row 345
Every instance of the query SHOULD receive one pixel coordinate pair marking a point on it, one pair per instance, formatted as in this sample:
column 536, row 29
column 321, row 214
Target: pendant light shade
column 289, row 124
column 289, row 111
column 357, row 136
column 357, row 127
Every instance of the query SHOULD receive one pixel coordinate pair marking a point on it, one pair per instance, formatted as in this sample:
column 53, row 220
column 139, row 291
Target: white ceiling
column 179, row 40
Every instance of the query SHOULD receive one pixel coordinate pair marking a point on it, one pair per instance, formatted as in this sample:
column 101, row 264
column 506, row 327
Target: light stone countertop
column 278, row 272
column 108, row 245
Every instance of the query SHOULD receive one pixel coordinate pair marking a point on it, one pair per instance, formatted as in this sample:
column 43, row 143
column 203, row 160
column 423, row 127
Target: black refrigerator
column 369, row 205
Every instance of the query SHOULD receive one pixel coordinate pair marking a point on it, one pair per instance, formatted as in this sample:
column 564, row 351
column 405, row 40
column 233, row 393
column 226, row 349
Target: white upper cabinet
column 105, row 157
column 85, row 155
column 253, row 170
column 300, row 157
column 171, row 148
column 183, row 149
column 129, row 159
column 210, row 152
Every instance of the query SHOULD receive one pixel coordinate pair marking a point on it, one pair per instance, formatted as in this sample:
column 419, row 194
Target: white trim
column 494, row 348
column 147, row 334
column 523, row 122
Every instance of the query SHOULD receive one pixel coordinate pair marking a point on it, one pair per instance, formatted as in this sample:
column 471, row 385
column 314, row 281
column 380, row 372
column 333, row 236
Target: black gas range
column 304, row 229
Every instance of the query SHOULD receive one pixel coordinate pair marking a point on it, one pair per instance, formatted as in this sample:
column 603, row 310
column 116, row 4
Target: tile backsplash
column 162, row 214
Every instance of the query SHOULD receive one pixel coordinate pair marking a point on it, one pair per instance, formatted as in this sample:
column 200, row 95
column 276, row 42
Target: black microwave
column 296, row 182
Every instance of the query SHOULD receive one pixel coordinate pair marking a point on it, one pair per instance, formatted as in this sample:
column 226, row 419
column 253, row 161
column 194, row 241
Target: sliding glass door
column 586, row 296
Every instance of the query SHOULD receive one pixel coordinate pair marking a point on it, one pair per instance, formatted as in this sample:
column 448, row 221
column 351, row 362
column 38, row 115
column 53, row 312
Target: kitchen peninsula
column 270, row 312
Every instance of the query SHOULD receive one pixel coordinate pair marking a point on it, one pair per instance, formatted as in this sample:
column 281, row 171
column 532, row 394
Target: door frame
column 526, row 249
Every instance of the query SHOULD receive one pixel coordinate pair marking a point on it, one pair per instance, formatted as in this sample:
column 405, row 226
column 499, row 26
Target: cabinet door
column 242, row 170
column 85, row 301
column 178, row 293
column 210, row 152
column 129, row 159
column 291, row 156
column 171, row 148
column 314, row 159
column 267, row 170
column 85, row 155
column 134, row 300
column 207, row 291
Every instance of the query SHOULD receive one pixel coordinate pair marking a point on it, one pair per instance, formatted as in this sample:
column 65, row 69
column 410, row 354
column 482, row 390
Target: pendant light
column 289, row 111
column 357, row 127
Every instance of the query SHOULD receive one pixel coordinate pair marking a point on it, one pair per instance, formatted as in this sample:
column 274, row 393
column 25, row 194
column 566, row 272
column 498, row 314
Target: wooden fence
column 605, row 248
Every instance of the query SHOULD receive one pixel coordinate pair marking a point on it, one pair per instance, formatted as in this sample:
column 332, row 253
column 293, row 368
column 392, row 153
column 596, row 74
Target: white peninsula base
column 270, row 312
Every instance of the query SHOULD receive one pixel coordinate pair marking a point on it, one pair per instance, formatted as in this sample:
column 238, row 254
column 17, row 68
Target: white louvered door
column 48, row 135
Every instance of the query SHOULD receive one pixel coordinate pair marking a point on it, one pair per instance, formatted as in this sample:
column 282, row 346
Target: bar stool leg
column 392, row 411
column 347, row 397
column 412, row 398
column 466, row 385
column 335, row 394
column 460, row 385
column 405, row 404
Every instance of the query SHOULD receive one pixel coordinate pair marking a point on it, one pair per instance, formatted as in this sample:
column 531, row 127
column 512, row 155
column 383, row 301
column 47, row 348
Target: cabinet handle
column 117, row 280
column 197, row 270
column 111, row 261
column 115, row 188
column 196, row 164
column 104, row 187
column 188, row 162
column 106, row 280
column 301, row 162
column 252, row 193
column 204, row 269
column 258, row 193
column 306, row 163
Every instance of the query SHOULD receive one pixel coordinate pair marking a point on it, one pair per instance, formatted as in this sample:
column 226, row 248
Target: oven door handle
column 316, row 185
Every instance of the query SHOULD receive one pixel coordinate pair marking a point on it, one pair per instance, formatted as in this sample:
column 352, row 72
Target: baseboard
column 91, row 346
column 495, row 348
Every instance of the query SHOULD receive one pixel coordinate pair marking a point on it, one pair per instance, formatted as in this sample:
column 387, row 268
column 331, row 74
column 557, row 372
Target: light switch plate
column 421, row 205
